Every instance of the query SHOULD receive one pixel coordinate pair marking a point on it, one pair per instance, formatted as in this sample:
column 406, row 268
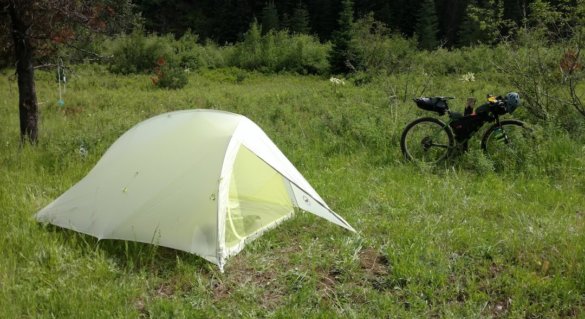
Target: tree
column 482, row 24
column 513, row 12
column 403, row 16
column 341, row 58
column 324, row 14
column 427, row 26
column 299, row 22
column 269, row 17
column 37, row 26
column 469, row 32
column 27, row 96
column 232, row 19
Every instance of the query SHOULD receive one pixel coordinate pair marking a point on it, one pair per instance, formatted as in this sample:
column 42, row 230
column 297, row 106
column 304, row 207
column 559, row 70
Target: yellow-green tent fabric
column 202, row 181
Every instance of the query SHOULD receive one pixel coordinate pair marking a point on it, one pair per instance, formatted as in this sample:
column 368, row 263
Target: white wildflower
column 336, row 81
column 82, row 151
column 468, row 77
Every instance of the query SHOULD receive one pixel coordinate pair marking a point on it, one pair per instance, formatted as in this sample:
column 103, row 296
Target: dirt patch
column 496, row 270
column 376, row 269
column 164, row 290
column 241, row 275
column 71, row 111
column 220, row 290
column 373, row 262
column 499, row 308
column 272, row 298
column 140, row 306
column 328, row 280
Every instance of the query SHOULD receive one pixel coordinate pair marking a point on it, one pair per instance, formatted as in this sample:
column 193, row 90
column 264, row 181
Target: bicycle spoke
column 509, row 146
column 426, row 140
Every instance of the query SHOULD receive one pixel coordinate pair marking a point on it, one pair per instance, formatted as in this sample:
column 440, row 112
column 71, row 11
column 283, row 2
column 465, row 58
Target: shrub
column 168, row 58
column 226, row 75
column 248, row 54
column 136, row 53
column 301, row 53
column 169, row 77
column 187, row 51
column 378, row 49
column 212, row 56
column 192, row 55
column 279, row 51
column 535, row 72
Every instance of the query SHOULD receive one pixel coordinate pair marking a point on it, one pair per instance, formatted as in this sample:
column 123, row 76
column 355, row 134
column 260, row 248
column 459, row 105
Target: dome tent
column 201, row 181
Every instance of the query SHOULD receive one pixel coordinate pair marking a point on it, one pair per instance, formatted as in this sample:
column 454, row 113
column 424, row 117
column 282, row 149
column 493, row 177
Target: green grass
column 457, row 240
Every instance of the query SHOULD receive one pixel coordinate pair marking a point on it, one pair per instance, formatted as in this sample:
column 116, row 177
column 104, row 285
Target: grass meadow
column 462, row 239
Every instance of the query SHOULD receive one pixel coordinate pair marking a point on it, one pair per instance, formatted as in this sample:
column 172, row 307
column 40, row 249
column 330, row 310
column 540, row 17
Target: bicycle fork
column 500, row 133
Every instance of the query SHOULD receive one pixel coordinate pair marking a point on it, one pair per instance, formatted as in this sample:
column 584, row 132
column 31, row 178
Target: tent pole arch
column 223, row 194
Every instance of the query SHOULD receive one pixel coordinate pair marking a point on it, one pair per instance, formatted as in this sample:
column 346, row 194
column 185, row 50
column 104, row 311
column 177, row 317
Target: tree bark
column 27, row 97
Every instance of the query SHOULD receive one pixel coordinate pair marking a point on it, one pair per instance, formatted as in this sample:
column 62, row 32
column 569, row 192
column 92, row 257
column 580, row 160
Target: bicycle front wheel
column 509, row 144
column 427, row 140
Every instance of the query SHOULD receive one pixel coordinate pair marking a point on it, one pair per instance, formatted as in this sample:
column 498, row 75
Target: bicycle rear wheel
column 509, row 145
column 427, row 140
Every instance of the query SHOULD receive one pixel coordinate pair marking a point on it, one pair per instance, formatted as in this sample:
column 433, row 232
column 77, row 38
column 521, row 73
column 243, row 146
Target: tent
column 202, row 181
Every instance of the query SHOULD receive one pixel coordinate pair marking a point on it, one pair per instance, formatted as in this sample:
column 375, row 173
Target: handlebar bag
column 499, row 108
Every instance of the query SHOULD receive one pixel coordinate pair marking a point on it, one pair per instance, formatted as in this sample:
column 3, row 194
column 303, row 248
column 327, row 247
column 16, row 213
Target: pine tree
column 323, row 17
column 285, row 22
column 384, row 14
column 404, row 12
column 469, row 32
column 269, row 17
column 299, row 22
column 253, row 37
column 513, row 11
column 427, row 26
column 482, row 24
column 341, row 59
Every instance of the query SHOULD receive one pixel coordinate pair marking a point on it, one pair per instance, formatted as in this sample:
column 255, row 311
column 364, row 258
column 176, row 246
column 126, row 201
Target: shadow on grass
column 133, row 257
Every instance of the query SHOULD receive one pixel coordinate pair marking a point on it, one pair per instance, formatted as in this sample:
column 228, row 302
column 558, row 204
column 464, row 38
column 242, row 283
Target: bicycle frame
column 495, row 118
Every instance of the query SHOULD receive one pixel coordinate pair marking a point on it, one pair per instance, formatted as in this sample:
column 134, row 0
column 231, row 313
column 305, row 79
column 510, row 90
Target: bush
column 280, row 51
column 476, row 59
column 136, row 53
column 170, row 77
column 187, row 51
column 212, row 56
column 378, row 49
column 534, row 70
column 192, row 55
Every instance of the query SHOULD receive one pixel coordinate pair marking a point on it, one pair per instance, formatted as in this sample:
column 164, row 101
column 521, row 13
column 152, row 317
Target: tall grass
column 455, row 240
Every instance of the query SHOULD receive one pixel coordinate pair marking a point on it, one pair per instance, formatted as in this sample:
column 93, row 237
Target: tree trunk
column 27, row 97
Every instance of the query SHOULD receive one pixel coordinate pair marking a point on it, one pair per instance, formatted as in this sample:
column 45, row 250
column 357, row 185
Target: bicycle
column 430, row 140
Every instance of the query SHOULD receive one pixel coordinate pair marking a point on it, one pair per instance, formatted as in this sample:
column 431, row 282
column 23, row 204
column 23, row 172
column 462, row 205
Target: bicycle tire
column 427, row 140
column 509, row 145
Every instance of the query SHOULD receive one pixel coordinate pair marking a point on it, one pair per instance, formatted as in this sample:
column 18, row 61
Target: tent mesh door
column 258, row 197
